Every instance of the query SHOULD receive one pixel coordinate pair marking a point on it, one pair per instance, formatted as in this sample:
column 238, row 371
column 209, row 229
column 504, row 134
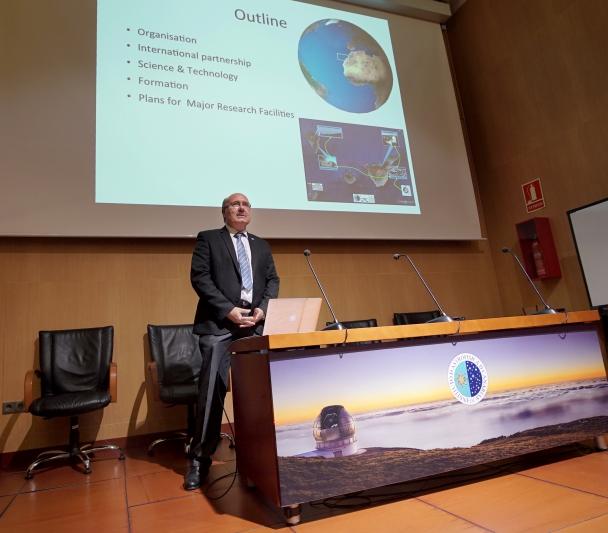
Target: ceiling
column 431, row 10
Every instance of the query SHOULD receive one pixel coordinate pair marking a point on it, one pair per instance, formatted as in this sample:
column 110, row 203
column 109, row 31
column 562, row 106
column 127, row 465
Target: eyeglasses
column 238, row 203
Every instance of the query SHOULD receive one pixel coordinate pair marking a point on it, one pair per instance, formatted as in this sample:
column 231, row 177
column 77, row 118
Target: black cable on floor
column 234, row 473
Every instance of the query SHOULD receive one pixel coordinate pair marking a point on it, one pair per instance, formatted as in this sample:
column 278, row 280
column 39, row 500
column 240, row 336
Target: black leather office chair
column 418, row 317
column 77, row 377
column 353, row 324
column 534, row 310
column 174, row 369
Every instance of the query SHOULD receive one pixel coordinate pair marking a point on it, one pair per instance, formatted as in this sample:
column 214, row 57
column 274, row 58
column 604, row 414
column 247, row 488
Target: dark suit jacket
column 216, row 278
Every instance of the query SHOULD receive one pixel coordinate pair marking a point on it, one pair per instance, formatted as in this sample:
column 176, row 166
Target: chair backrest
column 75, row 360
column 535, row 310
column 176, row 352
column 418, row 317
column 352, row 324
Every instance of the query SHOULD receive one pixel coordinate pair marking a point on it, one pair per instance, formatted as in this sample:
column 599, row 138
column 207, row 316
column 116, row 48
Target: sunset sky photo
column 387, row 378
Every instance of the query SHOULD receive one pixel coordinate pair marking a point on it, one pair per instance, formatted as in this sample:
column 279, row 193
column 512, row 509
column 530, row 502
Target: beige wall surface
column 70, row 283
column 533, row 81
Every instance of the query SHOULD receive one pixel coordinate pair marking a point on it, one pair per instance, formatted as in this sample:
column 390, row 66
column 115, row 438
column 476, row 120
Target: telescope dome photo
column 335, row 432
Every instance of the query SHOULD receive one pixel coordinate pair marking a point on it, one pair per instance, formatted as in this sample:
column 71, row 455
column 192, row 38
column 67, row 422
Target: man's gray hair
column 225, row 202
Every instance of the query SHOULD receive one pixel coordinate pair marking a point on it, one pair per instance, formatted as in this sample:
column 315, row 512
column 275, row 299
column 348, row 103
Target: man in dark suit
column 234, row 275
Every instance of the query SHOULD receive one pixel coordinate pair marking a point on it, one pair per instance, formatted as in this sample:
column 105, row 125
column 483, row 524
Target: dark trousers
column 212, row 386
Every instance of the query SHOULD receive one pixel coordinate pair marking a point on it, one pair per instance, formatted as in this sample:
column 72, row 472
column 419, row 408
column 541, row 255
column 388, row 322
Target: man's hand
column 258, row 315
column 241, row 317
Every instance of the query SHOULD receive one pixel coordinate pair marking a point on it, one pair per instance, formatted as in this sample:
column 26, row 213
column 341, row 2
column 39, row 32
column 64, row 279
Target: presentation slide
column 299, row 102
column 137, row 118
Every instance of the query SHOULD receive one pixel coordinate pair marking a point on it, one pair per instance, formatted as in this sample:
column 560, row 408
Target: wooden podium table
column 328, row 413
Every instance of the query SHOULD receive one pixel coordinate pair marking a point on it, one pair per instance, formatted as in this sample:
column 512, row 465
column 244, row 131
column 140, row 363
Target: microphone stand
column 548, row 310
column 441, row 318
column 336, row 323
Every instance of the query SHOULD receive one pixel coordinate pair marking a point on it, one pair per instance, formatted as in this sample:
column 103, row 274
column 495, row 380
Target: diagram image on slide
column 357, row 164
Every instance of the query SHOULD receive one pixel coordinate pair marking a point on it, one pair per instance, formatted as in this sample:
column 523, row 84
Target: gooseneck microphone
column 548, row 310
column 336, row 323
column 441, row 318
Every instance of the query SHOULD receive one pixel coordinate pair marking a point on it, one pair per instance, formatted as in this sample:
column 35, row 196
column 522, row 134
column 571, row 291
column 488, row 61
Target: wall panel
column 69, row 283
column 533, row 82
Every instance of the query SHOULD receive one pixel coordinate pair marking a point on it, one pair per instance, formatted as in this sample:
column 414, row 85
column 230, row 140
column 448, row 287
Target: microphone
column 548, row 310
column 443, row 317
column 336, row 324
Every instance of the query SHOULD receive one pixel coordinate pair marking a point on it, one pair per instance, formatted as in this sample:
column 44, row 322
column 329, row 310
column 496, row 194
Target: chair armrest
column 153, row 373
column 113, row 382
column 28, row 390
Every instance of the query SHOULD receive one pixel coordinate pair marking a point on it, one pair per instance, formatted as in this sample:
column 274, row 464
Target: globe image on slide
column 345, row 66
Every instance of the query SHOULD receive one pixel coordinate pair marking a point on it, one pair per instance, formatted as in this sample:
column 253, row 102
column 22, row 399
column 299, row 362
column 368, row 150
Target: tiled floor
column 143, row 494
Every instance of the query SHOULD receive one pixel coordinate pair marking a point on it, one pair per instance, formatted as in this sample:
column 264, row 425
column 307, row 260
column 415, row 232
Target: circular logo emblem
column 468, row 379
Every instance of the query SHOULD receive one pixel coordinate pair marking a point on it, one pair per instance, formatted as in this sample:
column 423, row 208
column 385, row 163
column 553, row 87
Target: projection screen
column 137, row 118
column 588, row 224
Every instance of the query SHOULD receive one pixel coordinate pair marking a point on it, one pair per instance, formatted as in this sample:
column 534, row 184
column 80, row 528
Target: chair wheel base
column 76, row 455
column 230, row 438
column 177, row 436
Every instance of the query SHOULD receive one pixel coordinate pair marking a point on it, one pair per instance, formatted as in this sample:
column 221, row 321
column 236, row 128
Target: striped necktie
column 244, row 265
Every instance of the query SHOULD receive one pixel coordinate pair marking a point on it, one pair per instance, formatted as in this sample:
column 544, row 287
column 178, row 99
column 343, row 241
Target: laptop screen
column 292, row 315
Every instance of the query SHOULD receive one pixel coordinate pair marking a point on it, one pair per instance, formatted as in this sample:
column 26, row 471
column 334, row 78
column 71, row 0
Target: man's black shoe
column 197, row 472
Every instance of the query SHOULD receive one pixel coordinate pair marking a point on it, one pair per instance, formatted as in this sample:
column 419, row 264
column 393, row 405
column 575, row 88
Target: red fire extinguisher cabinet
column 538, row 249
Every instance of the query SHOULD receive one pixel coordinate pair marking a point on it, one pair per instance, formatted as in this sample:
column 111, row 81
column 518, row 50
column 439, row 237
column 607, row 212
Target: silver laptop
column 292, row 315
